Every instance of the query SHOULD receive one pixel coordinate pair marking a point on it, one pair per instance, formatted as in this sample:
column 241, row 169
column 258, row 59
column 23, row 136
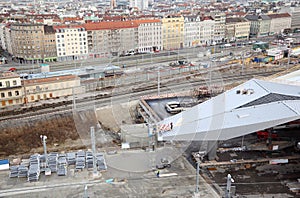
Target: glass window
column 2, row 95
column 9, row 94
column 14, row 82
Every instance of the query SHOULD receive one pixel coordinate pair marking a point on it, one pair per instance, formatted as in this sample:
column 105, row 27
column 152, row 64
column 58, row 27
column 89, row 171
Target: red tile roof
column 280, row 15
column 72, row 19
column 67, row 26
column 147, row 21
column 49, row 80
column 110, row 25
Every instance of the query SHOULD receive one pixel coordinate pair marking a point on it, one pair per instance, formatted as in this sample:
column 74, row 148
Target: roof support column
column 212, row 149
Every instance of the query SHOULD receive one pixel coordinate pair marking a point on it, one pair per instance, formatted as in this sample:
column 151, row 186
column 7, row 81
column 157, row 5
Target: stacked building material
column 80, row 160
column 25, row 162
column 62, row 165
column 89, row 159
column 13, row 171
column 42, row 161
column 22, row 171
column 52, row 161
column 101, row 164
column 34, row 168
column 71, row 157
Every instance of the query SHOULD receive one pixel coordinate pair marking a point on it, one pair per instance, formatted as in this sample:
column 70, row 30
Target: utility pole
column 289, row 50
column 158, row 82
column 74, row 101
column 197, row 177
column 93, row 149
column 85, row 195
column 43, row 138
column 228, row 187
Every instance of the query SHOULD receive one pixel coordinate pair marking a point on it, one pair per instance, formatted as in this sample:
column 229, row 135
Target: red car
column 12, row 69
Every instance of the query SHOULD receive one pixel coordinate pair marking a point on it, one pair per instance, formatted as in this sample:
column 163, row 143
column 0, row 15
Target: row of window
column 39, row 97
column 73, row 52
column 69, row 48
column 9, row 94
column 68, row 40
column 7, row 83
column 9, row 102
column 32, row 98
column 71, row 30
column 62, row 36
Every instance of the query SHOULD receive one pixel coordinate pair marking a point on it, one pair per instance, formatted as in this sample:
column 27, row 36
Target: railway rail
column 99, row 99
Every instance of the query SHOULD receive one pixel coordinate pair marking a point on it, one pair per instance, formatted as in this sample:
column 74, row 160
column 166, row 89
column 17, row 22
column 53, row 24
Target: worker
column 157, row 173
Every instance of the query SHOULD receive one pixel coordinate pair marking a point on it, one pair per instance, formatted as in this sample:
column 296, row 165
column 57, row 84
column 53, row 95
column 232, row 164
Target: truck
column 264, row 135
column 179, row 63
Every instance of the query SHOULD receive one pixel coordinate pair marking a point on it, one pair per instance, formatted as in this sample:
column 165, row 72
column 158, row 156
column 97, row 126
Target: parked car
column 12, row 69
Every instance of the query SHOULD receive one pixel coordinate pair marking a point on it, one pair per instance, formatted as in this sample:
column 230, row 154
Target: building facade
column 173, row 32
column 140, row 4
column 112, row 38
column 295, row 14
column 10, row 89
column 237, row 29
column 219, row 28
column 149, row 35
column 206, row 30
column 259, row 25
column 33, row 42
column 279, row 22
column 71, row 43
column 8, row 39
column 191, row 31
column 49, row 88
column 2, row 37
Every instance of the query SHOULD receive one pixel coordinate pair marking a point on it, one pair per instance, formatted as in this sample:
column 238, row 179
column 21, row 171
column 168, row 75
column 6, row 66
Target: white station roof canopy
column 247, row 108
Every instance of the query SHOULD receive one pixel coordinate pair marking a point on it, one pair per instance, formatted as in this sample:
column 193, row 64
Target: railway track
column 99, row 99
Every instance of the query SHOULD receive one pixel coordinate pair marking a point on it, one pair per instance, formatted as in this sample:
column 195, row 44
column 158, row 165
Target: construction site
column 170, row 126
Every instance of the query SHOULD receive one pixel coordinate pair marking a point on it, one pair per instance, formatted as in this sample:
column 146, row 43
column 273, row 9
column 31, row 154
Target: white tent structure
column 247, row 108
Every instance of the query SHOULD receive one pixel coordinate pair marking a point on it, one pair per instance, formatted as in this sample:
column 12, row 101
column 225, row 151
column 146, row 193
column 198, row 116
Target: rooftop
column 280, row 15
column 247, row 108
column 110, row 25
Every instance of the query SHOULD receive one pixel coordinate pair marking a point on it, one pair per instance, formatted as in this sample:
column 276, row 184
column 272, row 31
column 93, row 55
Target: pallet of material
column 294, row 187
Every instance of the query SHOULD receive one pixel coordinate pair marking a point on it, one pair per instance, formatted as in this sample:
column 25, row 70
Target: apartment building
column 207, row 28
column 140, row 4
column 47, row 88
column 32, row 42
column 71, row 42
column 173, row 32
column 149, row 35
column 8, row 39
column 2, row 36
column 237, row 29
column 219, row 28
column 191, row 31
column 259, row 25
column 10, row 89
column 112, row 38
column 295, row 15
column 279, row 22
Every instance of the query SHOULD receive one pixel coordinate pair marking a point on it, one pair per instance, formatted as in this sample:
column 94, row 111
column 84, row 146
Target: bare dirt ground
column 21, row 138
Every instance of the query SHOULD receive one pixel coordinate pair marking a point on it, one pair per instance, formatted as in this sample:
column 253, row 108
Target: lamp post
column 197, row 177
column 158, row 82
column 85, row 192
column 43, row 138
column 228, row 186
